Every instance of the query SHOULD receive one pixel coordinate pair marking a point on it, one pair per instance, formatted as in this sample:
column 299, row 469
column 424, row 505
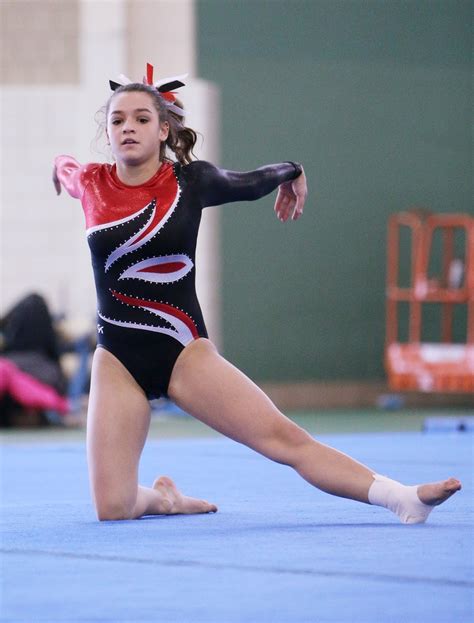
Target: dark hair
column 181, row 139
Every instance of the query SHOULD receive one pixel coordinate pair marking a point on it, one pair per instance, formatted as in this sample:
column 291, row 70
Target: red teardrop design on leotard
column 168, row 267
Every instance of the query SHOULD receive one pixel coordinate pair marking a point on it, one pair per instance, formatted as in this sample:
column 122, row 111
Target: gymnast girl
column 142, row 216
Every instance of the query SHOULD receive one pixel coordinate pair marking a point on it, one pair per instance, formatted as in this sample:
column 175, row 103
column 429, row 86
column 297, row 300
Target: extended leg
column 208, row 387
column 117, row 425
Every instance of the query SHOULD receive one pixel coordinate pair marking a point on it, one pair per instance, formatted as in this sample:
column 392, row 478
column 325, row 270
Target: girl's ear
column 164, row 131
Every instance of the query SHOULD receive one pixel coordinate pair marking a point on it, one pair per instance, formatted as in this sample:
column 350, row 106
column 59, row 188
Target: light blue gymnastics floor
column 277, row 550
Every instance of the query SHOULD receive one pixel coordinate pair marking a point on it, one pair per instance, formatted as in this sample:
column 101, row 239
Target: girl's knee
column 286, row 442
column 114, row 508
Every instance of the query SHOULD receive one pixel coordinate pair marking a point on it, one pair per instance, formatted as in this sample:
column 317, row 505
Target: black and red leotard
column 143, row 242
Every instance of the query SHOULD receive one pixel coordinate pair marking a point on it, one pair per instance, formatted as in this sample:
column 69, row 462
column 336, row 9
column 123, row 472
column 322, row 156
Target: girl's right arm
column 219, row 186
column 68, row 173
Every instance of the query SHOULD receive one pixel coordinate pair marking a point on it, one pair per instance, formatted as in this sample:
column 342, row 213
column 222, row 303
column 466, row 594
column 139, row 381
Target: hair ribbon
column 164, row 87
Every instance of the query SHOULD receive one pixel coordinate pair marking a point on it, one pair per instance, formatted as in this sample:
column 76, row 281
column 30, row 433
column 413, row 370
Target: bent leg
column 117, row 425
column 211, row 389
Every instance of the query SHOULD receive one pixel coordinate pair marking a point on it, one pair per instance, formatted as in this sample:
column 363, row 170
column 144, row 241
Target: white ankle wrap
column 401, row 499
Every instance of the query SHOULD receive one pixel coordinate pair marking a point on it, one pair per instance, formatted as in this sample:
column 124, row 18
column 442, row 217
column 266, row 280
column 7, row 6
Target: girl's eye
column 116, row 121
column 143, row 120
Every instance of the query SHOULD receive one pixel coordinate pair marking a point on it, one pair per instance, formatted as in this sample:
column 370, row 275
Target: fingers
column 300, row 201
column 284, row 206
column 287, row 206
column 291, row 199
column 300, row 189
column 56, row 182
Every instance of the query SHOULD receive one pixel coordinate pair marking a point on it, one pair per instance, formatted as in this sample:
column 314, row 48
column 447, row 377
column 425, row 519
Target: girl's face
column 134, row 129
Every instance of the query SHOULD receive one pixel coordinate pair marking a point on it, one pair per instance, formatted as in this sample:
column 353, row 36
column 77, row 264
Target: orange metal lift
column 414, row 365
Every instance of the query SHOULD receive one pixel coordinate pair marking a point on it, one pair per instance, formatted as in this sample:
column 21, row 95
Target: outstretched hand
column 291, row 198
column 56, row 182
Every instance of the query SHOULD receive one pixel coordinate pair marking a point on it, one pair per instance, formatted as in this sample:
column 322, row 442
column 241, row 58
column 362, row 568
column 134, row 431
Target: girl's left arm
column 218, row 186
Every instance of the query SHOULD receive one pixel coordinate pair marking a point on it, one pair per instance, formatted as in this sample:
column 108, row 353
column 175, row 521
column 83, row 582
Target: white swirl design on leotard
column 118, row 222
column 156, row 221
column 164, row 269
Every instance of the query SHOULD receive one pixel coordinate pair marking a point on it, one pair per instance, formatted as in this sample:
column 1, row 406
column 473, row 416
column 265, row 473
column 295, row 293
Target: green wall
column 374, row 98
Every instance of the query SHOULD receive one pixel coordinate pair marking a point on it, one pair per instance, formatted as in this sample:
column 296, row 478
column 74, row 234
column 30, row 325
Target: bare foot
column 438, row 492
column 180, row 504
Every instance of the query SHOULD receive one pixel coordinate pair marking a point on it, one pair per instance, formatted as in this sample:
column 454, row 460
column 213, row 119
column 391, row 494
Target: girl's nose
column 128, row 127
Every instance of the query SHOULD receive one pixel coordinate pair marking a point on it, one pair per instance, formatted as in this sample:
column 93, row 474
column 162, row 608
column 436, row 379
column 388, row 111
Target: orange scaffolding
column 414, row 365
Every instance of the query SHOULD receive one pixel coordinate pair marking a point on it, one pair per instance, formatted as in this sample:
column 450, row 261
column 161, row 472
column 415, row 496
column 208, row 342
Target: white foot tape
column 401, row 499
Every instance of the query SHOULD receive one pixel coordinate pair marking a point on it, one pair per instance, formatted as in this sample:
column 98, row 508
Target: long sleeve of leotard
column 72, row 175
column 218, row 186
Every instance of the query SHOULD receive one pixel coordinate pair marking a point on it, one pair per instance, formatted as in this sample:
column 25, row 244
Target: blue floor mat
column 277, row 550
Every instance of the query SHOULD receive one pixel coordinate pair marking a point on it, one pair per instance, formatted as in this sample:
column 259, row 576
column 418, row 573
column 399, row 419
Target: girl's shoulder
column 73, row 175
column 196, row 166
column 197, row 171
column 91, row 168
column 95, row 174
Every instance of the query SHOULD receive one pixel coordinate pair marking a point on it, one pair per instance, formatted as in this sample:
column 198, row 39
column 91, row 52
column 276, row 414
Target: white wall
column 42, row 246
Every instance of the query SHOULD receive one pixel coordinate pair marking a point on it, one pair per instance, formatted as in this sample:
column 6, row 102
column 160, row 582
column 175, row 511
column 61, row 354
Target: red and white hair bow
column 164, row 87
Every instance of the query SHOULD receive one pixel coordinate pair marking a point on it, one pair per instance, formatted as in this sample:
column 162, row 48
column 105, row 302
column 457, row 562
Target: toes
column 181, row 504
column 195, row 506
column 436, row 493
column 452, row 485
